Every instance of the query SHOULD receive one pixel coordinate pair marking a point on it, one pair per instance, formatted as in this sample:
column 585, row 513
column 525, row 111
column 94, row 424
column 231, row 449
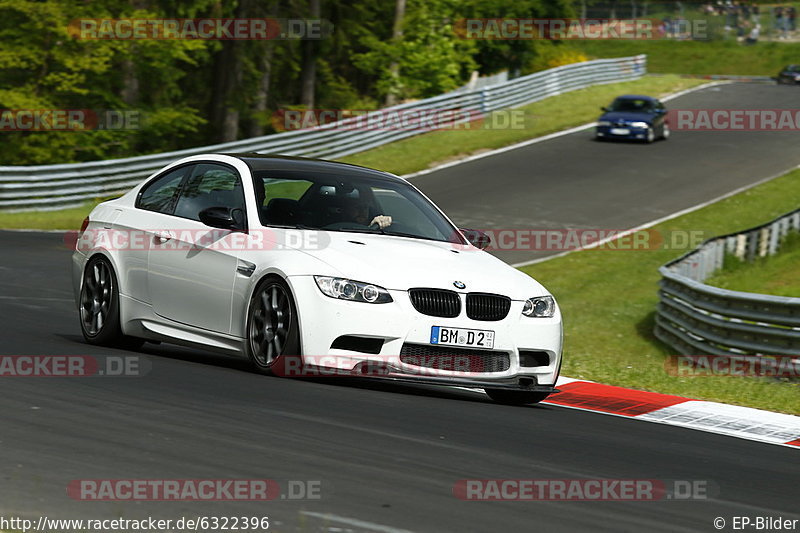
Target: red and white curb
column 713, row 417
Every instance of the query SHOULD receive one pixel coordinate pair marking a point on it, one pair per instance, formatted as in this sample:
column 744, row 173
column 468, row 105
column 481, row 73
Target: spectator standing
column 779, row 21
column 754, row 33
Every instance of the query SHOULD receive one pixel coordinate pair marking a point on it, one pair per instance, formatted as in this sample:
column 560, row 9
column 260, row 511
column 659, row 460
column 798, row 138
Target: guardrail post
column 774, row 238
column 485, row 95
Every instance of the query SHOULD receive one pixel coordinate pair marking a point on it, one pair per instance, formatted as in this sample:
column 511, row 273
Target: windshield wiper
column 356, row 230
column 291, row 226
column 412, row 236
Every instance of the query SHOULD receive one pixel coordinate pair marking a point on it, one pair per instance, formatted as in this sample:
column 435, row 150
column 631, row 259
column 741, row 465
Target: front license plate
column 620, row 131
column 479, row 338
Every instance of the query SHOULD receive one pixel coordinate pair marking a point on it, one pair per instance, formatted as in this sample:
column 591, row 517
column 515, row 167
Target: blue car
column 633, row 117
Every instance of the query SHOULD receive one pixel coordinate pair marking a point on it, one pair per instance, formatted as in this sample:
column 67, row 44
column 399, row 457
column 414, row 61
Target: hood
column 627, row 116
column 402, row 263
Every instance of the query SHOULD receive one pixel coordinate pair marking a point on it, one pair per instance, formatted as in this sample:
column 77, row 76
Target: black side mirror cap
column 477, row 238
column 222, row 218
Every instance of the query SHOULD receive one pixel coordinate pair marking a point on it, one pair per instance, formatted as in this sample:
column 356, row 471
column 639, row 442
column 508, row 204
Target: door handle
column 162, row 236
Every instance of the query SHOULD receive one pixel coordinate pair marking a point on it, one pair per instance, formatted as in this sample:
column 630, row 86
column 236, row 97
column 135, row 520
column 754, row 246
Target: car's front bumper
column 621, row 132
column 323, row 320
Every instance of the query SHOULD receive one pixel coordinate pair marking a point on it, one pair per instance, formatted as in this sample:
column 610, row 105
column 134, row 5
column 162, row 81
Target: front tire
column 651, row 136
column 99, row 306
column 272, row 327
column 513, row 397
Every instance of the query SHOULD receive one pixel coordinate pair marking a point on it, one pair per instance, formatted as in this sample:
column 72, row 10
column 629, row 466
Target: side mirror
column 222, row 218
column 477, row 238
column 604, row 108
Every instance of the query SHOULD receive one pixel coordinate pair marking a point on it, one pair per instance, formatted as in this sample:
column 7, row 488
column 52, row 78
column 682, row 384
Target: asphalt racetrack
column 573, row 182
column 387, row 456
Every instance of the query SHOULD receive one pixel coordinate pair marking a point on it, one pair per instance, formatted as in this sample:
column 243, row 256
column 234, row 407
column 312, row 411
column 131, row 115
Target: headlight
column 640, row 125
column 797, row 77
column 603, row 123
column 355, row 291
column 540, row 307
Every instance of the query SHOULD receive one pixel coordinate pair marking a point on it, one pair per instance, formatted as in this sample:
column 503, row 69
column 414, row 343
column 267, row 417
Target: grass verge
column 778, row 275
column 700, row 57
column 65, row 219
column 609, row 298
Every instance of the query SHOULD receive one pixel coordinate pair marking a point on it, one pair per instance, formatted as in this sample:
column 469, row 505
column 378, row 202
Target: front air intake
column 454, row 359
column 353, row 343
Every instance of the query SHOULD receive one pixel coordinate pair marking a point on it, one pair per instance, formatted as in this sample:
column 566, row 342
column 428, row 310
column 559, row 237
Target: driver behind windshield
column 358, row 211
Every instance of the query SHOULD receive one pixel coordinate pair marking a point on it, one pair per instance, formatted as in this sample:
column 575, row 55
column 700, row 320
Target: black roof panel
column 259, row 162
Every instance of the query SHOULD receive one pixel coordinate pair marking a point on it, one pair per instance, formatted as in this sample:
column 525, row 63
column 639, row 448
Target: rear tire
column 513, row 397
column 98, row 308
column 665, row 132
column 272, row 327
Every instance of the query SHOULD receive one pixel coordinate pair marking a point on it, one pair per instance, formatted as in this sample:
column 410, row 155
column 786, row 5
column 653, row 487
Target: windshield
column 631, row 104
column 348, row 203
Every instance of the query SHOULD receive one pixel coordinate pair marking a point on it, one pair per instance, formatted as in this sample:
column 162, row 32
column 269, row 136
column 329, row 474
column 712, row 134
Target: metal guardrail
column 695, row 318
column 48, row 187
column 479, row 82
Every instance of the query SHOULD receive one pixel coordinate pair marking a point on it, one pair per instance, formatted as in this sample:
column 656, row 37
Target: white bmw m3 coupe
column 312, row 268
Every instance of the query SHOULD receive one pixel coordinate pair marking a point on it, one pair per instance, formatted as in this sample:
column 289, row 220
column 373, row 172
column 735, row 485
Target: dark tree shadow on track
column 232, row 362
column 432, row 391
column 171, row 351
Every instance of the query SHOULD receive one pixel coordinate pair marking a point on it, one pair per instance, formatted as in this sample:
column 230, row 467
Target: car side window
column 159, row 194
column 210, row 185
column 279, row 200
